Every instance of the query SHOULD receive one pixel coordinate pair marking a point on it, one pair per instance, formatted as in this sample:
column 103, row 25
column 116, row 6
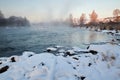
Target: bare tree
column 82, row 19
column 71, row 19
column 116, row 14
column 93, row 17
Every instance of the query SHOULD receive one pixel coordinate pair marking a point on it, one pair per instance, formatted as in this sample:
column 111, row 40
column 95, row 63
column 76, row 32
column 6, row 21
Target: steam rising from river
column 60, row 12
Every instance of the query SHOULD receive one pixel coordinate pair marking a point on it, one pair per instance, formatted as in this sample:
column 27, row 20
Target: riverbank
column 97, row 62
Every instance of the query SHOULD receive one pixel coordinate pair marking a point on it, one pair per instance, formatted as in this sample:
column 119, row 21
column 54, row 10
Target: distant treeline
column 13, row 21
column 105, row 26
column 109, row 23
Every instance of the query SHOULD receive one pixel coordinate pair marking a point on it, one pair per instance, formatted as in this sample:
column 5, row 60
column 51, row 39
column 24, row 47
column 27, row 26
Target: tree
column 18, row 21
column 82, row 19
column 71, row 19
column 93, row 17
column 116, row 14
column 1, row 15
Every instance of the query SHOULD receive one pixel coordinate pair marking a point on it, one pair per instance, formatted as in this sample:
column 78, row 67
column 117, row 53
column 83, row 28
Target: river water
column 15, row 40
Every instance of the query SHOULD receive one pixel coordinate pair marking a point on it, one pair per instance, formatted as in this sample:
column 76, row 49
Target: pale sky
column 45, row 10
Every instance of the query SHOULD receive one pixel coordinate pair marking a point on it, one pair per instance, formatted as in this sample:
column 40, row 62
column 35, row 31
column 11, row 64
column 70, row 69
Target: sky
column 48, row 10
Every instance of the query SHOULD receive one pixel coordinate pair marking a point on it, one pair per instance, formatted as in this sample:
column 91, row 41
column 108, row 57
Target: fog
column 59, row 12
column 56, row 10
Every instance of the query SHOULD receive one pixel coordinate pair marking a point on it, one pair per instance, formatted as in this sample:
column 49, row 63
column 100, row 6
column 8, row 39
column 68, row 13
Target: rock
column 88, row 47
column 89, row 64
column 42, row 63
column 75, row 58
column 51, row 49
column 48, row 50
column 82, row 77
column 113, row 57
column 84, row 51
column 13, row 59
column 74, row 67
column 30, row 55
column 93, row 52
column 3, row 69
column 70, row 53
column 27, row 54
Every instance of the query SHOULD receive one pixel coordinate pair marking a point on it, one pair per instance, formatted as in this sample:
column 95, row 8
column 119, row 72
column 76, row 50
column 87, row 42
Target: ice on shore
column 51, row 49
column 105, row 65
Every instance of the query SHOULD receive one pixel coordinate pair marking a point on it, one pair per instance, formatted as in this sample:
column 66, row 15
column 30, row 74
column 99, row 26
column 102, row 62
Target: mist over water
column 56, row 10
column 15, row 40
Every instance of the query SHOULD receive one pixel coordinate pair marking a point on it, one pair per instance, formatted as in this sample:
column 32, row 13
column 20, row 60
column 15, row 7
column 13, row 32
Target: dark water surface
column 15, row 40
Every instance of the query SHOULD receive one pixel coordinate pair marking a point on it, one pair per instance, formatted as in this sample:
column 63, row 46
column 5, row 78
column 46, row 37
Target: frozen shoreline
column 70, row 64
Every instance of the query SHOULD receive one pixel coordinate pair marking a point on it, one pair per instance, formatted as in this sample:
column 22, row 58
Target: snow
column 108, row 49
column 61, row 51
column 51, row 49
column 58, row 46
column 71, row 51
column 105, row 65
column 77, row 49
column 107, row 31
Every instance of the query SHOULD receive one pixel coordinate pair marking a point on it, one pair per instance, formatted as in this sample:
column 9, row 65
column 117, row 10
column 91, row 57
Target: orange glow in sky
column 44, row 10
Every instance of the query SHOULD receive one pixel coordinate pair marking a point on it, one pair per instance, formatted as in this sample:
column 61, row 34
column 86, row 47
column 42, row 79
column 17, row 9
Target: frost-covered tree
column 71, row 19
column 82, row 19
column 116, row 14
column 93, row 17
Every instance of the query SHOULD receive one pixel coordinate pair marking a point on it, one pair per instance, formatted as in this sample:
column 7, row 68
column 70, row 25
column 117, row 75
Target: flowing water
column 15, row 40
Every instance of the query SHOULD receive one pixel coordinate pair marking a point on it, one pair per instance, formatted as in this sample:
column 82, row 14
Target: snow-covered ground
column 98, row 62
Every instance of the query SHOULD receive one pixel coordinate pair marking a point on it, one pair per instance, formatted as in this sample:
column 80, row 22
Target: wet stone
column 30, row 55
column 74, row 67
column 13, row 59
column 89, row 64
column 93, row 52
column 88, row 47
column 48, row 50
column 68, row 53
column 42, row 63
column 75, row 58
column 4, row 69
column 82, row 77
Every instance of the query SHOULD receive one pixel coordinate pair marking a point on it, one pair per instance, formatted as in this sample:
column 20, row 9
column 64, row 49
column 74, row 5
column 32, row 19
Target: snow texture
column 105, row 65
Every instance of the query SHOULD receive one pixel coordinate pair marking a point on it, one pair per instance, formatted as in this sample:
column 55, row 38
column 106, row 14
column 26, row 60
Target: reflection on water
column 15, row 40
column 87, row 37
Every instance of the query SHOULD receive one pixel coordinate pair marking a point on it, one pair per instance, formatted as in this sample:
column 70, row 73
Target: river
column 15, row 40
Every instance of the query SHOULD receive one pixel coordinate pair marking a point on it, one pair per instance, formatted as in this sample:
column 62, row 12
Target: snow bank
column 107, row 31
column 105, row 65
column 51, row 49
